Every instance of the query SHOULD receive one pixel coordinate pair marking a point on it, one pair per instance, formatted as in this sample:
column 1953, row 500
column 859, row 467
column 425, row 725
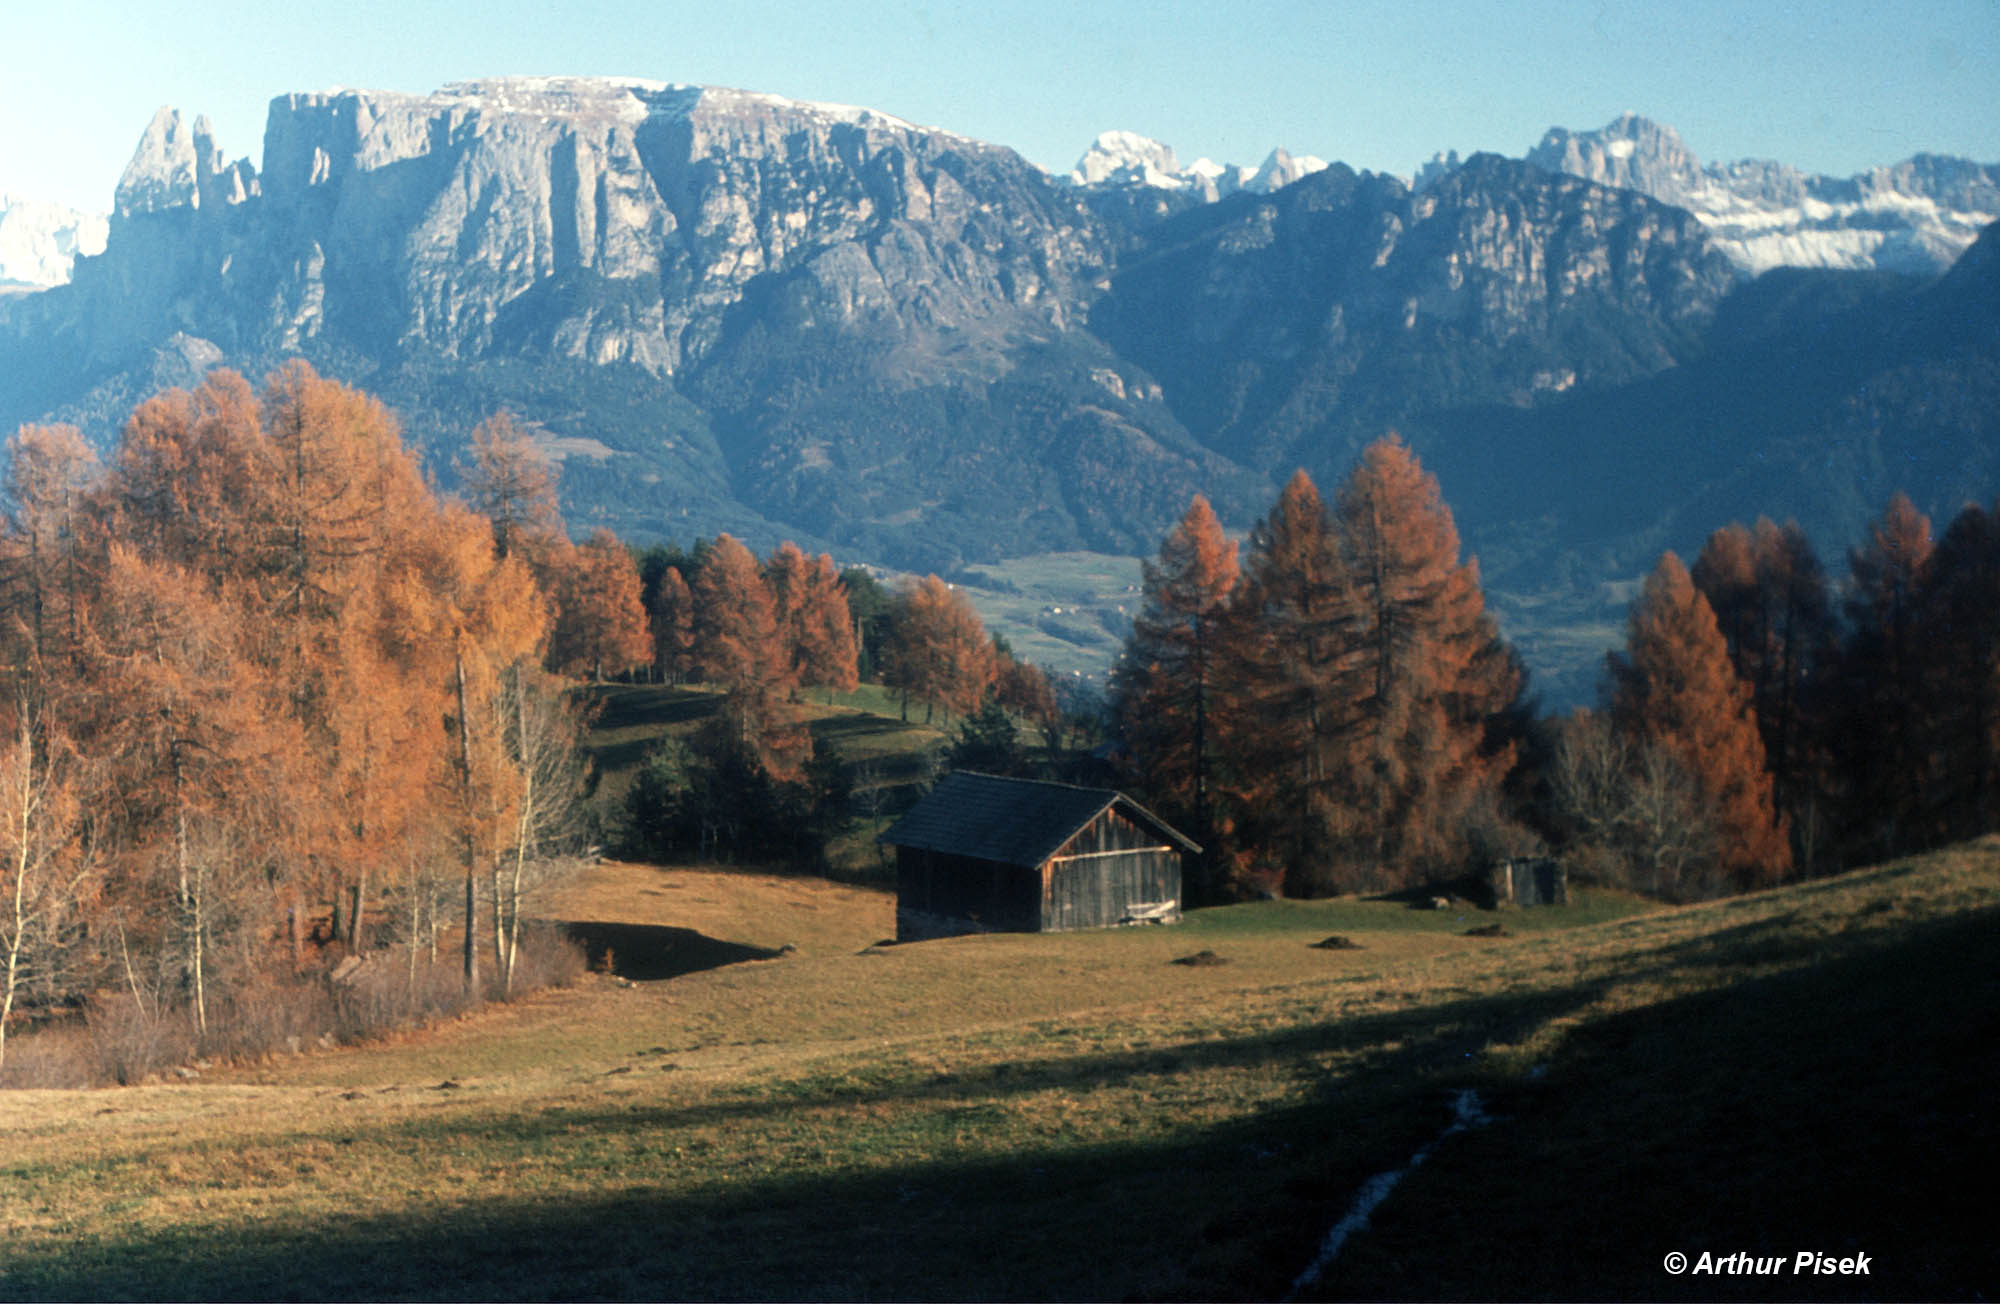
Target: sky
column 1832, row 86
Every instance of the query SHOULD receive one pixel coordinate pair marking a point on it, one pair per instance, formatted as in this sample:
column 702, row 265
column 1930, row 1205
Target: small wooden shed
column 1530, row 881
column 982, row 853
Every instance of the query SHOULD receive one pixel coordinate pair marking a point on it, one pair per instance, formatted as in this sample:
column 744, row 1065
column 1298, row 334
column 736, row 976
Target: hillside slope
column 1794, row 1070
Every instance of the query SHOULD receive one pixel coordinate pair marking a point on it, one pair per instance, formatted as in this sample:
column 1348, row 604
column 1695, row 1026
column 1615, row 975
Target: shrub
column 122, row 1039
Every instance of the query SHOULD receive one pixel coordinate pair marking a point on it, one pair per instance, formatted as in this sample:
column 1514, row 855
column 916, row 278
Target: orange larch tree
column 600, row 621
column 193, row 477
column 347, row 495
column 51, row 476
column 512, row 484
column 1023, row 688
column 46, row 864
column 1165, row 686
column 813, row 619
column 1432, row 671
column 829, row 657
column 1771, row 602
column 1674, row 688
column 786, row 573
column 738, row 647
column 1288, row 717
column 938, row 650
column 203, row 764
column 672, row 621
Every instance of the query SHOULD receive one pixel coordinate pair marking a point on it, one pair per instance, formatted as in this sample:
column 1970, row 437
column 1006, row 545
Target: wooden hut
column 985, row 854
column 1530, row 881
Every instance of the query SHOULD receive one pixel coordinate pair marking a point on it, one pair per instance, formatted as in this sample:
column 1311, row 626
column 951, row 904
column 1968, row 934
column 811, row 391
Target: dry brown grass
column 847, row 1120
column 740, row 905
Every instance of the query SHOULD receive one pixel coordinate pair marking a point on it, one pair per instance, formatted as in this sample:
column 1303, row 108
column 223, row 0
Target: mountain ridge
column 728, row 310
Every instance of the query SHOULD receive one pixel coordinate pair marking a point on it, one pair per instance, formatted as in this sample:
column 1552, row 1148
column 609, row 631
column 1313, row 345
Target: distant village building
column 986, row 854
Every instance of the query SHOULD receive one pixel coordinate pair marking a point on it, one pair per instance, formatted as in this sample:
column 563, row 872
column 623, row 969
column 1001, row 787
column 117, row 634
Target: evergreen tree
column 1960, row 704
column 871, row 607
column 1884, row 757
column 988, row 742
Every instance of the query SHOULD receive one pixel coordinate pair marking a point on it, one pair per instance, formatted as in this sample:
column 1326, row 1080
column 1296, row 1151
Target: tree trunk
column 499, row 927
column 416, row 923
column 22, row 819
column 471, row 850
column 471, row 930
column 356, row 895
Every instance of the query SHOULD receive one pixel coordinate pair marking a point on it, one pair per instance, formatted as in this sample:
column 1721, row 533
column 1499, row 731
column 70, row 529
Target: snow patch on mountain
column 633, row 99
column 1916, row 216
column 40, row 242
column 1122, row 159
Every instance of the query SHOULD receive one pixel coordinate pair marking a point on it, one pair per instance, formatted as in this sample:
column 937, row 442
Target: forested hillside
column 731, row 312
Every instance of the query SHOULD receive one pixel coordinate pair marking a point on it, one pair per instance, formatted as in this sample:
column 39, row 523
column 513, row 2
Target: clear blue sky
column 1833, row 86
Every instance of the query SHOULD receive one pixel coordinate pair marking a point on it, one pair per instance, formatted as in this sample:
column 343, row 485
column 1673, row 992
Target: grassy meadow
column 1068, row 612
column 1080, row 1117
column 756, row 1096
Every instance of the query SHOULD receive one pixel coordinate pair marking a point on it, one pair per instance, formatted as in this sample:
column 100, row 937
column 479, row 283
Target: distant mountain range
column 728, row 310
column 40, row 242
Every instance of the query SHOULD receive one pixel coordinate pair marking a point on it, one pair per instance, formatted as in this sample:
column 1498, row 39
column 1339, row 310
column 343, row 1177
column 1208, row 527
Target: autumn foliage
column 1337, row 711
column 1334, row 716
column 1677, row 690
column 939, row 653
column 286, row 679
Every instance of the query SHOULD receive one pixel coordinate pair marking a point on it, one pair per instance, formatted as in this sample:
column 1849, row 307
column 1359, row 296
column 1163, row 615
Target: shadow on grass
column 632, row 706
column 1844, row 1107
column 1840, row 1107
column 882, row 1182
column 650, row 952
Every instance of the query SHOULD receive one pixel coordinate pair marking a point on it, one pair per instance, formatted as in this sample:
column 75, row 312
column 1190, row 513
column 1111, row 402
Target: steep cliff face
column 599, row 221
column 737, row 309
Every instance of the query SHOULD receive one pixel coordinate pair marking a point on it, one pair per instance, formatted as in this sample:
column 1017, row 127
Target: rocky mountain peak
column 1280, row 169
column 162, row 171
column 1125, row 158
column 1914, row 217
column 1630, row 153
column 178, row 165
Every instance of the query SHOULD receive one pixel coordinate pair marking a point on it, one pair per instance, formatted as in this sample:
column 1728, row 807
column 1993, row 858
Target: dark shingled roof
column 1013, row 821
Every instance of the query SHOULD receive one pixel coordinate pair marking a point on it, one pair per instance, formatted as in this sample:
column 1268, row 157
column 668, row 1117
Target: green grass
column 863, row 728
column 1097, row 593
column 1073, row 1116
